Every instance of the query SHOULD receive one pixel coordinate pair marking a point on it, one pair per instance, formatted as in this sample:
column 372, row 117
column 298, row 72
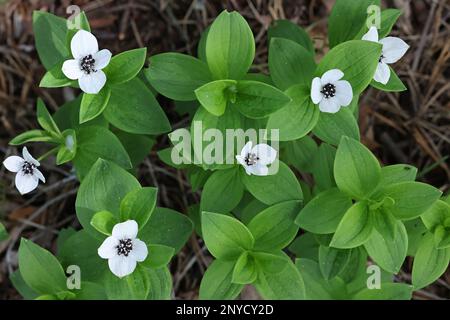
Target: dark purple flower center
column 328, row 90
column 28, row 168
column 124, row 247
column 251, row 159
column 87, row 64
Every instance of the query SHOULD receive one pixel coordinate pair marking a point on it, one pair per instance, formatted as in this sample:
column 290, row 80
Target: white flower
column 122, row 249
column 88, row 62
column 255, row 160
column 393, row 49
column 28, row 176
column 330, row 92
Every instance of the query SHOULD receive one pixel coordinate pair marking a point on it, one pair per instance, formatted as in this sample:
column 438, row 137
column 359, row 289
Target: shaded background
column 411, row 127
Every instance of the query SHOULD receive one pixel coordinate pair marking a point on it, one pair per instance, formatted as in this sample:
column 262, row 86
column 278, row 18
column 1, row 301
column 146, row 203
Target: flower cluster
column 306, row 184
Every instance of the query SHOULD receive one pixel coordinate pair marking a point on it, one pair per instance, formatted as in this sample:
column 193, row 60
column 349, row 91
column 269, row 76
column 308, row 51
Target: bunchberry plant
column 344, row 234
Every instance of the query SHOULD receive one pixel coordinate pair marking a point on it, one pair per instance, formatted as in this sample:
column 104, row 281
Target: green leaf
column 286, row 29
column 68, row 149
column 300, row 153
column 125, row 65
column 347, row 18
column 244, row 271
column 387, row 21
column 323, row 239
column 324, row 212
column 305, row 246
column 437, row 219
column 284, row 66
column 270, row 262
column 75, row 23
column 355, row 227
column 216, row 282
column 79, row 22
column 332, row 261
column 248, row 208
column 139, row 205
column 394, row 84
column 80, row 249
column 356, row 170
column 50, row 38
column 92, row 105
column 68, row 116
column 45, row 119
column 158, row 256
column 19, row 284
column 167, row 227
column 63, row 235
column 91, row 291
column 429, row 263
column 331, row 127
column 55, row 78
column 133, row 108
column 316, row 287
column 137, row 146
column 442, row 236
column 135, row 286
column 213, row 96
column 397, row 173
column 230, row 47
column 201, row 47
column 297, row 118
column 357, row 59
column 259, row 77
column 225, row 237
column 388, row 291
column 322, row 167
column 258, row 100
column 103, row 188
column 160, row 284
column 32, row 136
column 272, row 189
column 274, row 228
column 97, row 142
column 219, row 183
column 411, row 199
column 3, row 233
column 177, row 75
column 41, row 271
column 165, row 155
column 104, row 221
column 416, row 231
column 202, row 121
column 285, row 285
column 389, row 253
column 198, row 177
column 355, row 272
column 385, row 223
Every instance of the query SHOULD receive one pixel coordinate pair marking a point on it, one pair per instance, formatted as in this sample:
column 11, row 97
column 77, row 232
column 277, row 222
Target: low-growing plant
column 343, row 234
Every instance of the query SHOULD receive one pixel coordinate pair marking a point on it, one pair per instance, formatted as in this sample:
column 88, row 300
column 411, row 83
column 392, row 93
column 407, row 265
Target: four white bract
column 28, row 175
column 393, row 49
column 122, row 249
column 330, row 92
column 255, row 160
column 88, row 62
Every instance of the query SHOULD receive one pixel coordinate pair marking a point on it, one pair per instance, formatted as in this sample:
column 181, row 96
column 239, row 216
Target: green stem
column 48, row 153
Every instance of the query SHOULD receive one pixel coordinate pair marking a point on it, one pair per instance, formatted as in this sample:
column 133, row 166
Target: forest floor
column 410, row 127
